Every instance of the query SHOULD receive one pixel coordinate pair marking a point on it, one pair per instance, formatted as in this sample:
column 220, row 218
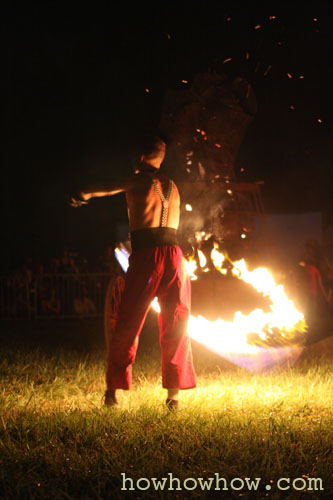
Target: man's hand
column 121, row 185
column 76, row 200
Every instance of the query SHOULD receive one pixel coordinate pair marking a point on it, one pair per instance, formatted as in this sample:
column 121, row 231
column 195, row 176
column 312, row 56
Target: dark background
column 74, row 83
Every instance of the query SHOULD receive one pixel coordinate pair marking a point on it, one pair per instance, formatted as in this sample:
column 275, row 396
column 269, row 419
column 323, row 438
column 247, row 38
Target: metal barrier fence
column 53, row 296
column 14, row 298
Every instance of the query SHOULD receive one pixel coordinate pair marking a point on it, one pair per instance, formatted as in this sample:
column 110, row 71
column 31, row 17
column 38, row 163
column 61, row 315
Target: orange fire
column 232, row 336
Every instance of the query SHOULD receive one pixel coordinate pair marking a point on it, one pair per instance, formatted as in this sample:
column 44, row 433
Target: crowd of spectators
column 71, row 286
column 66, row 285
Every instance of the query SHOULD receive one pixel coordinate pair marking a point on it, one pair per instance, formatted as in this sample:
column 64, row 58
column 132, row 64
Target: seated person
column 85, row 306
column 52, row 304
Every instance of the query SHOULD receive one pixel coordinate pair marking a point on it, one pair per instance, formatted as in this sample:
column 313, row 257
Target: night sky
column 79, row 83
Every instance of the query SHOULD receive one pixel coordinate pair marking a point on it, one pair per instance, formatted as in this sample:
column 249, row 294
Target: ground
column 59, row 442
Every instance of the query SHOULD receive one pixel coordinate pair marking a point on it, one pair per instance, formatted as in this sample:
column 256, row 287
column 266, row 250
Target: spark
column 155, row 305
column 227, row 60
column 319, row 120
column 289, row 75
column 218, row 145
column 271, row 18
column 147, row 90
column 188, row 207
column 257, row 27
column 243, row 236
column 291, row 107
column 269, row 67
column 184, row 81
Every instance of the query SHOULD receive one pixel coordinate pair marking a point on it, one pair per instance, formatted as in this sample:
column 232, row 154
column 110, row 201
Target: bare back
column 145, row 205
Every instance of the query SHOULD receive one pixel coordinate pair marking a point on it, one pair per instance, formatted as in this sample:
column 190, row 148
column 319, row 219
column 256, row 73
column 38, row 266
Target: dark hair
column 149, row 145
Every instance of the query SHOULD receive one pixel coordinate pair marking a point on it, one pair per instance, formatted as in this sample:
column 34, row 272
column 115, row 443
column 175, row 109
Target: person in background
column 84, row 307
column 315, row 297
column 67, row 264
column 52, row 305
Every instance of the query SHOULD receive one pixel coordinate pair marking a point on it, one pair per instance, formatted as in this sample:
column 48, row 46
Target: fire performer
column 156, row 268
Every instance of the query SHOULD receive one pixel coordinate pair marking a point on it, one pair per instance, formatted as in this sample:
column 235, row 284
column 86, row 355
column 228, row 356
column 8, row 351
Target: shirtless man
column 156, row 268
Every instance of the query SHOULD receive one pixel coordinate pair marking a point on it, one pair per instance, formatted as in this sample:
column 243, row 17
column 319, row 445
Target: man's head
column 149, row 152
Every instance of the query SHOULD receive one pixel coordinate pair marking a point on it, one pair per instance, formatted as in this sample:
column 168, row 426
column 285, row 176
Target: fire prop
column 257, row 340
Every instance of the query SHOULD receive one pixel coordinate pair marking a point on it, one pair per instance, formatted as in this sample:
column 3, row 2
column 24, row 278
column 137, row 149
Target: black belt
column 152, row 237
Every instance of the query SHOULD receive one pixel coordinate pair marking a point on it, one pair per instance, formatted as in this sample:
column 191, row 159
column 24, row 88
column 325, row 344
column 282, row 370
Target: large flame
column 231, row 339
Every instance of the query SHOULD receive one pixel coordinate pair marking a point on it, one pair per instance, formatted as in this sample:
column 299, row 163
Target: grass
column 57, row 440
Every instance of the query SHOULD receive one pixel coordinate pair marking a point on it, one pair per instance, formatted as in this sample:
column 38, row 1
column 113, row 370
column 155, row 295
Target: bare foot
column 172, row 404
column 172, row 399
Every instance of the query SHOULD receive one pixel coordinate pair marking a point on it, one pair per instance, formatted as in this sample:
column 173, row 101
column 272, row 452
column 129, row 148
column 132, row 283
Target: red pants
column 159, row 271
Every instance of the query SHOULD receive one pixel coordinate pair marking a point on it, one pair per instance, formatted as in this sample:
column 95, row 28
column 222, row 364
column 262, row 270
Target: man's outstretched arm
column 118, row 186
column 82, row 197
